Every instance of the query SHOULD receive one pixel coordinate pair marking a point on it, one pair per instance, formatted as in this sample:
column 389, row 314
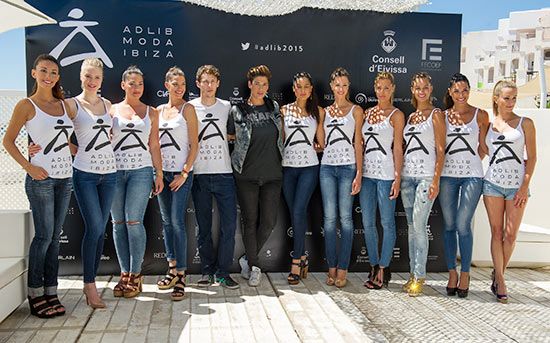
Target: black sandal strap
column 167, row 279
column 54, row 302
column 41, row 306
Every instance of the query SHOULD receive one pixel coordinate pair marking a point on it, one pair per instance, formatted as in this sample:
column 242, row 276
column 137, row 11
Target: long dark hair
column 458, row 77
column 312, row 103
column 57, row 91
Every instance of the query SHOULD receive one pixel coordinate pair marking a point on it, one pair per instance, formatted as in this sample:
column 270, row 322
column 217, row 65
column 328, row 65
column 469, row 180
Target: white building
column 512, row 51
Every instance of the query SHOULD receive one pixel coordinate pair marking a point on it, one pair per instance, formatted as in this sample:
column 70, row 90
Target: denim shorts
column 492, row 190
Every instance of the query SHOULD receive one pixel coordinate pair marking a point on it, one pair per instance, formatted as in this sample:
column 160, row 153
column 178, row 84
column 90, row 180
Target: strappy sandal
column 41, row 308
column 168, row 281
column 341, row 282
column 494, row 283
column 118, row 290
column 55, row 304
column 294, row 279
column 178, row 293
column 371, row 275
column 134, row 286
column 377, row 282
column 463, row 292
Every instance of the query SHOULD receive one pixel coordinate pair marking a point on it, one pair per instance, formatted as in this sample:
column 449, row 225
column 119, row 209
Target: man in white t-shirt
column 213, row 177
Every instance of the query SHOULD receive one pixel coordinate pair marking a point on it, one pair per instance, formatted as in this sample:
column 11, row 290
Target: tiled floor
column 308, row 312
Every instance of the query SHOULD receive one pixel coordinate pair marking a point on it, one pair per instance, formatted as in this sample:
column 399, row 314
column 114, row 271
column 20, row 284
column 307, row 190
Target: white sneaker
column 245, row 269
column 255, row 276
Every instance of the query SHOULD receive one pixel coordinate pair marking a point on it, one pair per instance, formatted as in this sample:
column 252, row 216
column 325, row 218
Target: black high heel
column 377, row 282
column 463, row 293
column 294, row 279
column 304, row 268
column 387, row 276
column 451, row 291
column 493, row 284
column 371, row 275
column 41, row 308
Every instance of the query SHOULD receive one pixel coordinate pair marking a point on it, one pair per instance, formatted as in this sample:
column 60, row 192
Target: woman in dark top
column 256, row 162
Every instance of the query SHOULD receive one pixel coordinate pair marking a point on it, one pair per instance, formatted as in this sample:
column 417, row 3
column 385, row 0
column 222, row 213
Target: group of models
column 124, row 152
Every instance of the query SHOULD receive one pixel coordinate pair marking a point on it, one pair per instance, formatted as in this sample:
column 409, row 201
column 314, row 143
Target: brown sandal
column 134, row 286
column 118, row 290
column 178, row 293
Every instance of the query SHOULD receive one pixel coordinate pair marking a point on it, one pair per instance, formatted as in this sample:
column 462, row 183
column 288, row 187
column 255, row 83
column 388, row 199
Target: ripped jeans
column 414, row 194
column 128, row 209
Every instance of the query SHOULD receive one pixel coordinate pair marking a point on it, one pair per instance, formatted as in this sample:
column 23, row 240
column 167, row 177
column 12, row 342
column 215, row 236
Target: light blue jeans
column 337, row 202
column 129, row 204
column 375, row 191
column 414, row 194
column 458, row 197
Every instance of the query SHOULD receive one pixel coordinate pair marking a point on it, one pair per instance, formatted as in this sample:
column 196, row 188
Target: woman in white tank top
column 48, row 181
column 382, row 161
column 303, row 134
column 340, row 174
column 461, row 180
column 506, row 184
column 137, row 151
column 424, row 153
column 179, row 145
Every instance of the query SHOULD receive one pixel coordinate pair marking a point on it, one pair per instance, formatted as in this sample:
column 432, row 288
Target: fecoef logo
column 431, row 53
column 80, row 26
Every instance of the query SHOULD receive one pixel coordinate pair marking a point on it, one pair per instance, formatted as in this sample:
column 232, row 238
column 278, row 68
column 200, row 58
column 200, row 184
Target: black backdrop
column 156, row 35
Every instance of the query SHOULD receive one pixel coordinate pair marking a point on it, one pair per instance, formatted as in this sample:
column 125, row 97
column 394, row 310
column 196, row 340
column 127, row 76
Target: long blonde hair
column 417, row 76
column 498, row 89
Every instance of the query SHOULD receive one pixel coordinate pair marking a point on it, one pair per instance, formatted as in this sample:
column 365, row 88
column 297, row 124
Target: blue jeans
column 298, row 186
column 375, row 191
column 94, row 193
column 337, row 200
column 173, row 208
column 414, row 194
column 458, row 197
column 222, row 188
column 49, row 200
column 130, row 202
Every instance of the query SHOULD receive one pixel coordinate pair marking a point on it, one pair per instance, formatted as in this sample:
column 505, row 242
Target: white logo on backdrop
column 80, row 26
column 245, row 46
column 389, row 44
column 431, row 49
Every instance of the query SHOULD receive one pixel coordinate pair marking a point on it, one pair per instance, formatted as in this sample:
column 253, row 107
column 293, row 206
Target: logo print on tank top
column 130, row 132
column 62, row 130
column 211, row 122
column 458, row 136
column 372, row 136
column 102, row 130
column 335, row 126
column 503, row 145
column 298, row 126
column 166, row 131
column 414, row 135
column 79, row 27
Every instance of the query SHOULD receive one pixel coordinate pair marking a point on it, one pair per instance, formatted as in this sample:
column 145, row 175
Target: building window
column 463, row 54
column 491, row 75
column 502, row 68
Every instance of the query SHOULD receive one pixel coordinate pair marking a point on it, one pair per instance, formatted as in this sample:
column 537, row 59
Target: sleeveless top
column 95, row 152
column 506, row 157
column 131, row 141
column 299, row 139
column 419, row 155
column 52, row 134
column 174, row 141
column 461, row 143
column 377, row 149
column 339, row 133
column 213, row 156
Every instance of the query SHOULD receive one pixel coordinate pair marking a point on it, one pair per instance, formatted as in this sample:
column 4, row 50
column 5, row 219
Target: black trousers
column 259, row 202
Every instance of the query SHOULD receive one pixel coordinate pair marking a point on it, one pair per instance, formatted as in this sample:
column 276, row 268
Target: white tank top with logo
column 419, row 154
column 174, row 141
column 339, row 133
column 95, row 152
column 52, row 134
column 299, row 142
column 461, row 143
column 377, row 149
column 213, row 156
column 131, row 141
column 506, row 157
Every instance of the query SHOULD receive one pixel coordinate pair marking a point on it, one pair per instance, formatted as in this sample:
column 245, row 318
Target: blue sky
column 476, row 15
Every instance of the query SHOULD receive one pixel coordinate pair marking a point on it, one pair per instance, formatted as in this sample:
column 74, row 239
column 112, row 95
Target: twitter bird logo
column 245, row 46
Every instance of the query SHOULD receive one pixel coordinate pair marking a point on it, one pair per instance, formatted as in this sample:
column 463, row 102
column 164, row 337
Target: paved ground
column 308, row 312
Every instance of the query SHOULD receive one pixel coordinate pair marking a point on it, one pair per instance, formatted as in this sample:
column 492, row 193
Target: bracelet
column 184, row 173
